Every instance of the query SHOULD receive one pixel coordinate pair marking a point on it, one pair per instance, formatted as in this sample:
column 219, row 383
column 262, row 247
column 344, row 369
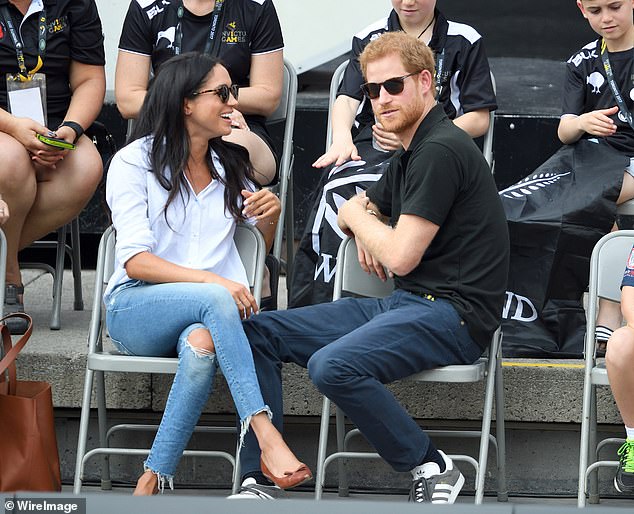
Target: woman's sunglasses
column 393, row 86
column 222, row 91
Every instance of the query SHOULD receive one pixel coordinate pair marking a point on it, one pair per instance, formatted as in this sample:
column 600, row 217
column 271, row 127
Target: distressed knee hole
column 200, row 342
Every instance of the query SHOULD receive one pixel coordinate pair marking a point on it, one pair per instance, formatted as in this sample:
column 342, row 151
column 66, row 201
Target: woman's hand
column 262, row 204
column 25, row 131
column 245, row 301
column 238, row 121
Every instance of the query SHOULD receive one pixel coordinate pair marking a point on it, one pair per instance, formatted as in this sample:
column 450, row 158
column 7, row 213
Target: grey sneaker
column 251, row 490
column 431, row 486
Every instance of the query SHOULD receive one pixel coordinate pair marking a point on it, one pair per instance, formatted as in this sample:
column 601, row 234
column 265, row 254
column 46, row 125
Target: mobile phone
column 55, row 142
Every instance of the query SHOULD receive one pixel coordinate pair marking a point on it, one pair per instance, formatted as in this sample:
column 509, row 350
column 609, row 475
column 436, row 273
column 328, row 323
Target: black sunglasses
column 393, row 86
column 222, row 91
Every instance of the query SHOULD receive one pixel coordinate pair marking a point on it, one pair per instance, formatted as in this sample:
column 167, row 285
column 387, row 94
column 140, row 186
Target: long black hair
column 162, row 116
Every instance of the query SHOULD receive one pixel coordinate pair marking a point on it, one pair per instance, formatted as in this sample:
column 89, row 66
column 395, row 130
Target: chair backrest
column 249, row 242
column 285, row 112
column 337, row 77
column 351, row 278
column 607, row 263
column 487, row 144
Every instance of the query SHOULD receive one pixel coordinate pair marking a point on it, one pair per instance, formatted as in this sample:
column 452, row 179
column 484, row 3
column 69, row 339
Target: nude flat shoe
column 291, row 478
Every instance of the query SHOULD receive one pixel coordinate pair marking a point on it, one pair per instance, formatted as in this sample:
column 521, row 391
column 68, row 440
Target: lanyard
column 440, row 64
column 613, row 85
column 23, row 74
column 215, row 17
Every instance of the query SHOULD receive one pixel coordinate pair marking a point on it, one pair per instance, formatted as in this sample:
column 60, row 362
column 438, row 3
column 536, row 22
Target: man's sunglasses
column 393, row 86
column 222, row 91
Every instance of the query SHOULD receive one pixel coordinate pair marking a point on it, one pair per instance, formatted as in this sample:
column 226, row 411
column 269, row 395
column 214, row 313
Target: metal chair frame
column 607, row 263
column 286, row 112
column 252, row 248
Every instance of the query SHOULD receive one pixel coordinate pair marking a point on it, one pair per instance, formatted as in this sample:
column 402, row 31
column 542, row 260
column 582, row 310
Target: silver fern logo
column 531, row 184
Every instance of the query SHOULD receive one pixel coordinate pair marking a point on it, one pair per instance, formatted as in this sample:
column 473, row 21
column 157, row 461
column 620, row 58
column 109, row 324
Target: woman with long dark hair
column 179, row 288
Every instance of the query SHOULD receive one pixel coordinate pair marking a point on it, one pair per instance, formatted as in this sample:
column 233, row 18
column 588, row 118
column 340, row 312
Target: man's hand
column 355, row 204
column 369, row 263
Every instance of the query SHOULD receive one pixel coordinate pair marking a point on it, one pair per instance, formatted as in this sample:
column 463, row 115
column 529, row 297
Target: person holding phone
column 52, row 88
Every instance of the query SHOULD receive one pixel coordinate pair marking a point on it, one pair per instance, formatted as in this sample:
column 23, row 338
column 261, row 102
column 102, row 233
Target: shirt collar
column 439, row 35
column 434, row 116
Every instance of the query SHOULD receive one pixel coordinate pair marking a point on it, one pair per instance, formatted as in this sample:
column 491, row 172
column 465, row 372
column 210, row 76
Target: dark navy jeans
column 353, row 347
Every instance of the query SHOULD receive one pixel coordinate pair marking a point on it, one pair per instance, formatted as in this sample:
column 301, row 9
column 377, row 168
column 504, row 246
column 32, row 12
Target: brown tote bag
column 29, row 460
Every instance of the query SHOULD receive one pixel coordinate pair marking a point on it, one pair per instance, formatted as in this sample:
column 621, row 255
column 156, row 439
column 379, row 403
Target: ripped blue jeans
column 156, row 320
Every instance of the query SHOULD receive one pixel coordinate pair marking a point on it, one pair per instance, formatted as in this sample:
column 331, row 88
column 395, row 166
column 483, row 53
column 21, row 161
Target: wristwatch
column 75, row 126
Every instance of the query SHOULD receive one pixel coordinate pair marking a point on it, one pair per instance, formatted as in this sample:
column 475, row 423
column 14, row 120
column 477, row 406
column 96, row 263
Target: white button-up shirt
column 198, row 232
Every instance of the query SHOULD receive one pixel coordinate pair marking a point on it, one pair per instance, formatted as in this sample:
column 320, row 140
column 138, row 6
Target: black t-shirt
column 74, row 33
column 249, row 27
column 465, row 76
column 444, row 178
column 586, row 89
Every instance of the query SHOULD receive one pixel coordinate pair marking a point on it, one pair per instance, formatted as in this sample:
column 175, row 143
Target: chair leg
column 83, row 431
column 58, row 278
column 486, row 427
column 106, row 483
column 584, row 445
column 321, row 450
column 593, row 479
column 76, row 264
column 342, row 463
column 290, row 229
column 500, row 430
column 236, row 482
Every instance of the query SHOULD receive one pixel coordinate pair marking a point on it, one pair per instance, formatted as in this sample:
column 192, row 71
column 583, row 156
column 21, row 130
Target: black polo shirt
column 249, row 27
column 465, row 76
column 74, row 33
column 586, row 89
column 444, row 178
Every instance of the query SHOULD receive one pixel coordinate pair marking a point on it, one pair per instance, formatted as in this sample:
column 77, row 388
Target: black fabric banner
column 555, row 217
column 316, row 258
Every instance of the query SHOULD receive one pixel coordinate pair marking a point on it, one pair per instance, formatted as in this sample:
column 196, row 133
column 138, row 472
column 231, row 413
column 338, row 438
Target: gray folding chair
column 252, row 249
column 62, row 250
column 352, row 279
column 286, row 112
column 607, row 263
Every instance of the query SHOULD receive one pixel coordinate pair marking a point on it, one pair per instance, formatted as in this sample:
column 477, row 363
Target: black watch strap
column 75, row 126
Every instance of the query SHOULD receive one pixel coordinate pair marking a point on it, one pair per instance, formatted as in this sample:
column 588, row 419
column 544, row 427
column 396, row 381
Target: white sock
column 630, row 433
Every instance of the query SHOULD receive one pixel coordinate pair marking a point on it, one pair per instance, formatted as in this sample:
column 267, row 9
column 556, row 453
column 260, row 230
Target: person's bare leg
column 260, row 154
column 147, row 484
column 63, row 192
column 618, row 361
column 18, row 188
column 277, row 456
column 609, row 314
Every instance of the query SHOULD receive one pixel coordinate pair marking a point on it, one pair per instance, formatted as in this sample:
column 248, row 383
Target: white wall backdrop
column 314, row 31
